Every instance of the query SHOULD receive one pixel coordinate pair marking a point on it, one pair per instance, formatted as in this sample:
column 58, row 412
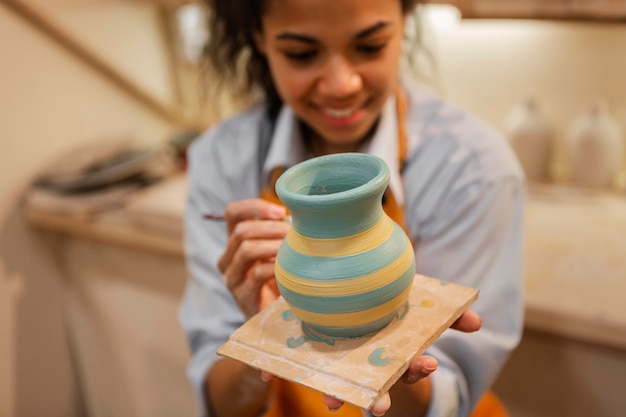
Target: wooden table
column 575, row 265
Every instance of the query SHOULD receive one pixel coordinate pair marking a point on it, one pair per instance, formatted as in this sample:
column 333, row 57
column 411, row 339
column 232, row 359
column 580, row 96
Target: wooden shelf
column 600, row 10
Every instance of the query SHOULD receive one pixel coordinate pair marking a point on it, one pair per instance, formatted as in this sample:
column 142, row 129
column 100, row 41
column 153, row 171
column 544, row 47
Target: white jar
column 531, row 138
column 595, row 147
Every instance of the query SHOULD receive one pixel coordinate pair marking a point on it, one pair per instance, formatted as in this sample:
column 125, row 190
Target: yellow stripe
column 353, row 319
column 349, row 286
column 343, row 246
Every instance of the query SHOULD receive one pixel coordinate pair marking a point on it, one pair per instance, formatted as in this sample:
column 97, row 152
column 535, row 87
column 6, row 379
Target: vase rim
column 377, row 183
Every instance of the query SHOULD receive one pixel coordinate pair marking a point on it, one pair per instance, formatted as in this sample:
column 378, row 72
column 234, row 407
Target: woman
column 328, row 73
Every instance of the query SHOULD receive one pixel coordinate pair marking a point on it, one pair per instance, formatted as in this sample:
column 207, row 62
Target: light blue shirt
column 463, row 193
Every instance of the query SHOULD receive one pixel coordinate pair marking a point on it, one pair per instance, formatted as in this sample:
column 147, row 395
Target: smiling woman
column 336, row 74
column 327, row 74
column 242, row 67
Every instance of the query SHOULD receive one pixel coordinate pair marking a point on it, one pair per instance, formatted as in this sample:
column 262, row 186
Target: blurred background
column 99, row 100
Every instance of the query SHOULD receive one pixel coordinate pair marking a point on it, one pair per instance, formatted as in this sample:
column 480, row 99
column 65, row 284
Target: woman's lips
column 340, row 113
column 342, row 116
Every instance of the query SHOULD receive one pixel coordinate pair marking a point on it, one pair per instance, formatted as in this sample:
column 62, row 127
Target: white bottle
column 530, row 136
column 595, row 147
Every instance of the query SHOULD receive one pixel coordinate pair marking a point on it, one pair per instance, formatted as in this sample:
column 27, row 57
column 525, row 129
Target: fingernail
column 278, row 211
column 429, row 366
column 333, row 410
column 377, row 414
column 430, row 369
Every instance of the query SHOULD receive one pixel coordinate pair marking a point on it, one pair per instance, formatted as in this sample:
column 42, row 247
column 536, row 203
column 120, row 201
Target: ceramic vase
column 530, row 136
column 595, row 147
column 345, row 268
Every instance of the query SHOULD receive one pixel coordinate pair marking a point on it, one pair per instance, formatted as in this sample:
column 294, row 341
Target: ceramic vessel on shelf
column 345, row 268
column 531, row 138
column 595, row 147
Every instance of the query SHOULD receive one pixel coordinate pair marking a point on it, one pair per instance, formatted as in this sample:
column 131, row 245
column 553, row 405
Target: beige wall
column 489, row 65
column 49, row 102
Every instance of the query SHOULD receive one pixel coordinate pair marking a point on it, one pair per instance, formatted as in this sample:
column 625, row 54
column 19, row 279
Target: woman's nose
column 339, row 78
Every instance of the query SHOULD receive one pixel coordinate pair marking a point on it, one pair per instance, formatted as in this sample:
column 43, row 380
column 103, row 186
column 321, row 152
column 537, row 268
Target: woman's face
column 335, row 62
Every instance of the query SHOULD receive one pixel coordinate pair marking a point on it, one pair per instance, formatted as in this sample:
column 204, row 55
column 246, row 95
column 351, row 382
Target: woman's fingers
column 237, row 215
column 250, row 230
column 333, row 404
column 244, row 265
column 468, row 322
column 381, row 406
column 253, row 293
column 256, row 292
column 256, row 231
column 419, row 368
column 252, row 209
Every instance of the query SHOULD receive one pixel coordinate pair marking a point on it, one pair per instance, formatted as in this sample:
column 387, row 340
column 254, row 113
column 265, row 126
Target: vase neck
column 334, row 195
column 337, row 219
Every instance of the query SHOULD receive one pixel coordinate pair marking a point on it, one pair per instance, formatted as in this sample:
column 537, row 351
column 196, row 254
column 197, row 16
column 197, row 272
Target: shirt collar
column 384, row 145
column 287, row 147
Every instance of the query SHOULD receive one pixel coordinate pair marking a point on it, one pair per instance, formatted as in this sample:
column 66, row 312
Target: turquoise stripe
column 350, row 303
column 354, row 331
column 345, row 267
column 338, row 220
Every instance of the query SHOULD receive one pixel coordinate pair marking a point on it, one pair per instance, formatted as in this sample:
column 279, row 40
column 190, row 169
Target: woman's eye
column 371, row 49
column 300, row 56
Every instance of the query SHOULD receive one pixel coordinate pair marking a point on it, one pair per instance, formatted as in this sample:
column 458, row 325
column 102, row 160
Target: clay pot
column 530, row 136
column 595, row 147
column 345, row 268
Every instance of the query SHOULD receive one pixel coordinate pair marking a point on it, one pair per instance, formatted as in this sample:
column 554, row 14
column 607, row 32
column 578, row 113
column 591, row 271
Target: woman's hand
column 419, row 368
column 256, row 229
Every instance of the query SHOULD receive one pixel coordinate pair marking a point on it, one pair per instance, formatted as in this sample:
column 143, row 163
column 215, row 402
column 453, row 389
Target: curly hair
column 231, row 53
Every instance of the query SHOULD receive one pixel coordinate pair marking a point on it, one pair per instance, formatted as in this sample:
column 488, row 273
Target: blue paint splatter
column 293, row 342
column 376, row 359
column 288, row 315
column 309, row 335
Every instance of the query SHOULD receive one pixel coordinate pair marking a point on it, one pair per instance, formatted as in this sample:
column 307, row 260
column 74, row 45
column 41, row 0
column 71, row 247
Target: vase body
column 531, row 139
column 595, row 147
column 345, row 268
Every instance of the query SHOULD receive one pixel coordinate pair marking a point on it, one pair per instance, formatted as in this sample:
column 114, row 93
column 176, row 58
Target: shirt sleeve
column 208, row 313
column 465, row 196
column 475, row 238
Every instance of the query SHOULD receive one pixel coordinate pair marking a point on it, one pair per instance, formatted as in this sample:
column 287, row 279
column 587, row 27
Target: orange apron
column 294, row 400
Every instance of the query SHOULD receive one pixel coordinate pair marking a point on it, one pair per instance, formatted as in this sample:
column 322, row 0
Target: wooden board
column 358, row 370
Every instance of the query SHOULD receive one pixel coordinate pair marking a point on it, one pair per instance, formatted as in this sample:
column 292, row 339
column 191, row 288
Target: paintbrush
column 221, row 217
